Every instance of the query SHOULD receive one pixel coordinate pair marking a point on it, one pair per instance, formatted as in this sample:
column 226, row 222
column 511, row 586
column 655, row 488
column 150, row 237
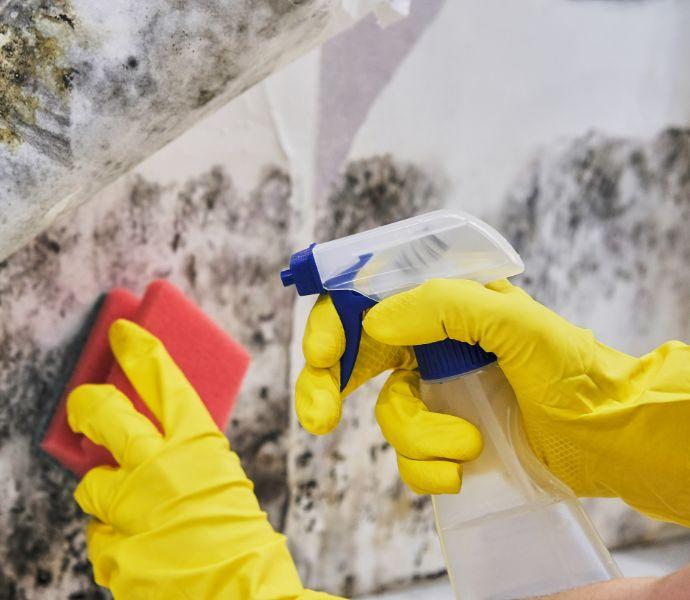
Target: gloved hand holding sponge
column 178, row 518
column 606, row 423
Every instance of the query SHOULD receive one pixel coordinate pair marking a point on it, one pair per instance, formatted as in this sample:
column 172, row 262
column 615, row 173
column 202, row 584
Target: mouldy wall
column 87, row 90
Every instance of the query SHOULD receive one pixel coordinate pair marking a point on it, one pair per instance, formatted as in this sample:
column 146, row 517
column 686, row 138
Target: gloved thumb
column 493, row 316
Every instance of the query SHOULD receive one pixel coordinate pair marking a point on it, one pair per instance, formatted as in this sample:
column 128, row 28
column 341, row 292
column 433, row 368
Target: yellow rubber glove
column 178, row 518
column 604, row 422
column 430, row 447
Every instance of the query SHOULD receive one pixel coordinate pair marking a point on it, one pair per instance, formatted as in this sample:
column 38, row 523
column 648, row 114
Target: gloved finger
column 505, row 287
column 430, row 476
column 501, row 285
column 324, row 338
column 378, row 358
column 441, row 308
column 318, row 402
column 100, row 538
column 416, row 432
column 107, row 417
column 97, row 490
column 159, row 381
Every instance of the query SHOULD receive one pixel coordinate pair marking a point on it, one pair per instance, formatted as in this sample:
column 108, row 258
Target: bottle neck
column 449, row 359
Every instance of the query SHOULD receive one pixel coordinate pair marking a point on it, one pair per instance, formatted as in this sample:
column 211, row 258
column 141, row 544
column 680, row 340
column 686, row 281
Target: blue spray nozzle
column 287, row 277
column 350, row 305
column 303, row 273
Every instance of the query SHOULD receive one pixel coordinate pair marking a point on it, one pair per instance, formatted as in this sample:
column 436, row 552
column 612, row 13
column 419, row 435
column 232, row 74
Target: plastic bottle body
column 515, row 531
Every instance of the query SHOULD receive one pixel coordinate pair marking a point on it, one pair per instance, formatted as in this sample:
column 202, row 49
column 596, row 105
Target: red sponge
column 214, row 364
column 94, row 365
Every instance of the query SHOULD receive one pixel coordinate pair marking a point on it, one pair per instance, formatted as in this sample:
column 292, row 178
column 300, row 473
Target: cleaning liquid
column 515, row 530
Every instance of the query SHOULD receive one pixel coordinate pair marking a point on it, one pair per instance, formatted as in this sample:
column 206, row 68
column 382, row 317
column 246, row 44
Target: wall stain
column 223, row 248
column 602, row 225
column 372, row 192
column 347, row 498
column 133, row 88
column 35, row 75
column 610, row 214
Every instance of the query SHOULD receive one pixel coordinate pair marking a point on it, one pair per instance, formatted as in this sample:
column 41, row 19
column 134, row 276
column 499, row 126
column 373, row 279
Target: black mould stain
column 609, row 216
column 35, row 75
column 281, row 8
column 304, row 458
column 205, row 96
column 373, row 192
column 41, row 528
column 334, row 481
column 229, row 249
column 224, row 249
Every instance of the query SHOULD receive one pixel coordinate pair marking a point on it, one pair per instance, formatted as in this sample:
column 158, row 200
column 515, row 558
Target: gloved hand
column 178, row 518
column 430, row 447
column 604, row 422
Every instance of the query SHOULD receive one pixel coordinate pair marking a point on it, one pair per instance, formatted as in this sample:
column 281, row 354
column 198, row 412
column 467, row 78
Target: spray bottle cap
column 450, row 358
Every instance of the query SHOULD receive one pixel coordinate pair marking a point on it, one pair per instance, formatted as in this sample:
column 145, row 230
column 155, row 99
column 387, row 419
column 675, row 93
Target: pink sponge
column 214, row 364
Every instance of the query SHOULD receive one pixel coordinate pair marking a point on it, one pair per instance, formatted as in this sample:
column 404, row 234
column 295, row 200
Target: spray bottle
column 515, row 531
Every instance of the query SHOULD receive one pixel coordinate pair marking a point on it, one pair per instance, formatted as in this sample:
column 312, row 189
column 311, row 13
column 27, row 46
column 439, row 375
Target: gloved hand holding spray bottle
column 515, row 530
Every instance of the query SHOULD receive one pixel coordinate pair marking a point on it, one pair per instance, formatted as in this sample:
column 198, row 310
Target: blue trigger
column 303, row 273
column 350, row 306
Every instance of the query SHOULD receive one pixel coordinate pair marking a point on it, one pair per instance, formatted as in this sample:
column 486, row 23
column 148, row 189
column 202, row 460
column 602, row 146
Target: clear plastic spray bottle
column 515, row 530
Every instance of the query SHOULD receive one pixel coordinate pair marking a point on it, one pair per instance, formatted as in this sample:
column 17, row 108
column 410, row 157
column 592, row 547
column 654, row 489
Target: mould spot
column 234, row 244
column 35, row 75
column 175, row 244
column 66, row 19
column 375, row 191
column 43, row 578
column 304, row 458
column 190, row 270
column 67, row 79
column 204, row 97
column 612, row 221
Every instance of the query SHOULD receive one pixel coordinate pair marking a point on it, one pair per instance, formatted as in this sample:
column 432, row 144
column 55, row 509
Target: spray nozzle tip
column 287, row 277
column 303, row 273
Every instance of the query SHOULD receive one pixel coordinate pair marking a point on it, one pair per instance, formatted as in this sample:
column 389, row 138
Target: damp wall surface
column 89, row 89
column 576, row 146
column 204, row 236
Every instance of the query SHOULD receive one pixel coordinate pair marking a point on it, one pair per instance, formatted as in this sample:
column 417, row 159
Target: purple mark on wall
column 355, row 68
